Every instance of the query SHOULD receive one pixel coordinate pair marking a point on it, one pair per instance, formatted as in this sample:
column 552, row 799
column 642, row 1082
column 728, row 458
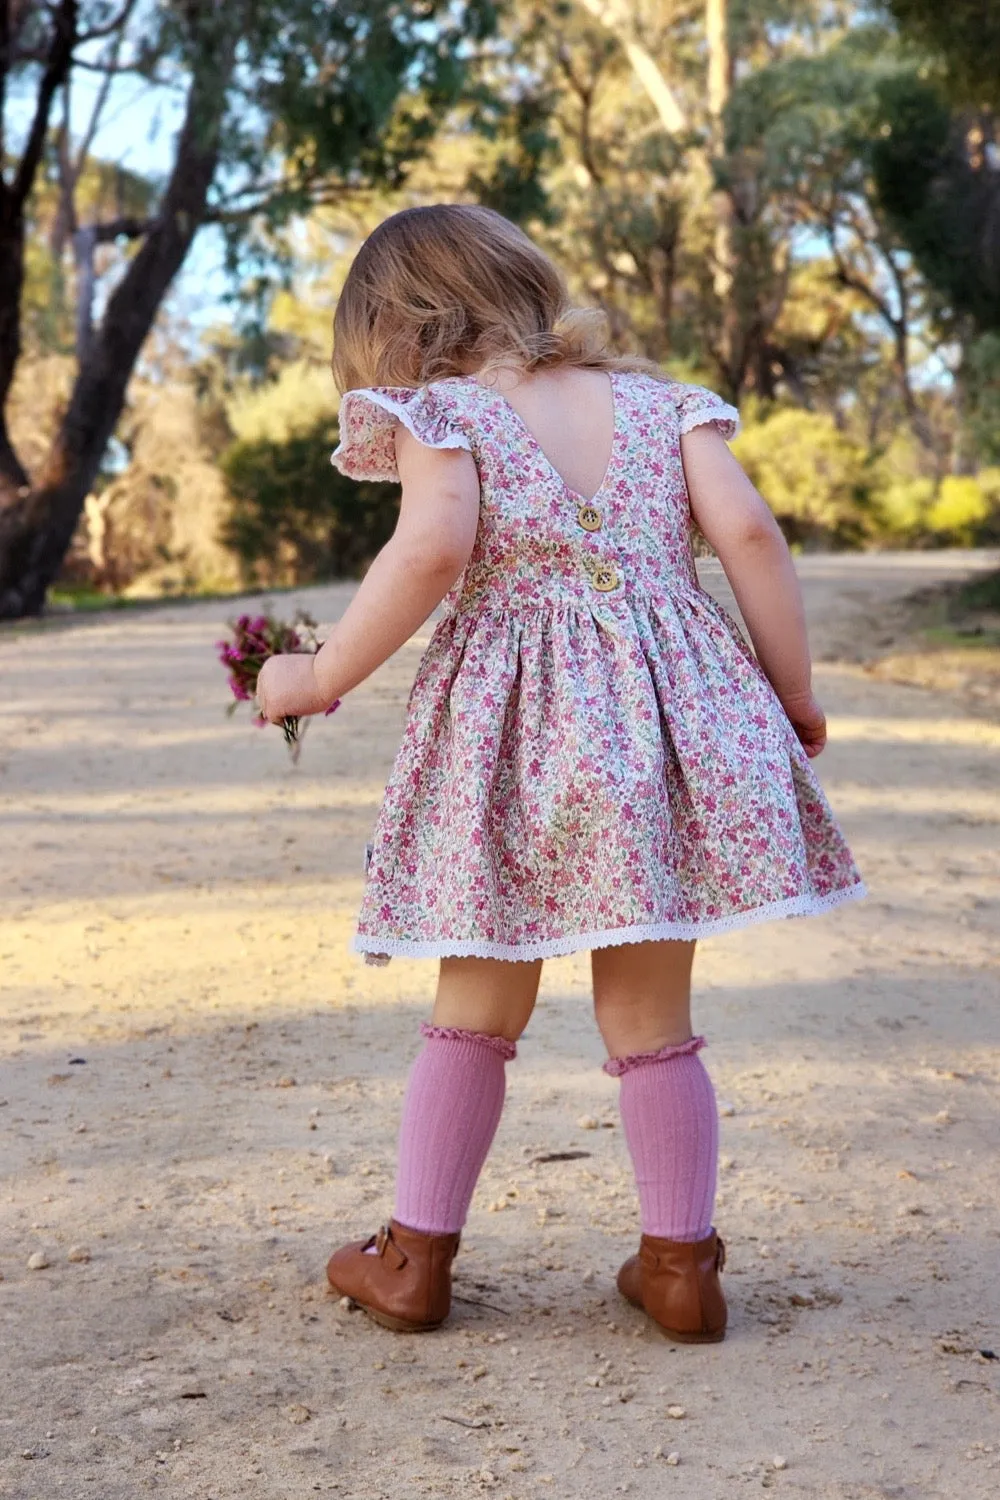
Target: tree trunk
column 720, row 73
column 12, row 475
column 37, row 523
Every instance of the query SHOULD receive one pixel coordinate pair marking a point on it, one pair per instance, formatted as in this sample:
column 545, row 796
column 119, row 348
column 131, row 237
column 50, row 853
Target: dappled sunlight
column 917, row 801
column 927, row 733
column 310, row 794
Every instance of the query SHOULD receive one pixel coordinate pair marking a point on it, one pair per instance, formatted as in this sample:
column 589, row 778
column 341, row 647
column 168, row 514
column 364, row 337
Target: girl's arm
column 432, row 542
column 740, row 527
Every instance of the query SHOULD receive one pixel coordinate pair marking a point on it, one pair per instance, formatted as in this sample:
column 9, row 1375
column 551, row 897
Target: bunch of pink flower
column 255, row 638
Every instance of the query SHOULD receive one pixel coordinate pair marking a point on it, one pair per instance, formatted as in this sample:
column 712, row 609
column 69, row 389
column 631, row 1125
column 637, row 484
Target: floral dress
column 592, row 754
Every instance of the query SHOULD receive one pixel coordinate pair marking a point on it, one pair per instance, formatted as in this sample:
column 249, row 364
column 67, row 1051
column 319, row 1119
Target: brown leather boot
column 406, row 1286
column 677, row 1284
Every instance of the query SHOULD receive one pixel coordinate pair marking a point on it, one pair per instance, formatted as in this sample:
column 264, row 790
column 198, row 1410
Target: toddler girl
column 593, row 757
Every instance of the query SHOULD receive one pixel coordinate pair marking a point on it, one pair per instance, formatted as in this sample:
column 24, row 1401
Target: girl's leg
column 455, row 1093
column 642, row 999
column 487, row 995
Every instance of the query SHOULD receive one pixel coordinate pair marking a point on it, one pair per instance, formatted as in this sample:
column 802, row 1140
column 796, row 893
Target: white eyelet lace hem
column 379, row 951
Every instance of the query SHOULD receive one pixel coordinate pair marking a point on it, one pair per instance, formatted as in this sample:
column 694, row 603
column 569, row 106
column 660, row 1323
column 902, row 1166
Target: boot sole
column 398, row 1325
column 675, row 1334
column 386, row 1320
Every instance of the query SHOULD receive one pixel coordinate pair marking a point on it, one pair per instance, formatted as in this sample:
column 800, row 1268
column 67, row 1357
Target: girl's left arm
column 429, row 548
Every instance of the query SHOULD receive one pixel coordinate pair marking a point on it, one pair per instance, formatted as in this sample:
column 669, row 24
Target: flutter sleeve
column 696, row 406
column 367, row 447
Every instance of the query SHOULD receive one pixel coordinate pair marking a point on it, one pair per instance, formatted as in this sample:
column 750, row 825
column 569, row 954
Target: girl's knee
column 642, row 1023
column 487, row 996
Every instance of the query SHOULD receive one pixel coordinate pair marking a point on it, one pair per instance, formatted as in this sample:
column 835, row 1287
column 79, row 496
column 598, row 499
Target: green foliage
column 818, row 482
column 512, row 182
column 981, row 385
column 965, row 34
column 349, row 93
column 296, row 519
column 933, row 181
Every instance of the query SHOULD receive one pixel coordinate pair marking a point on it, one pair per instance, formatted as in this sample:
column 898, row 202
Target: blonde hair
column 456, row 289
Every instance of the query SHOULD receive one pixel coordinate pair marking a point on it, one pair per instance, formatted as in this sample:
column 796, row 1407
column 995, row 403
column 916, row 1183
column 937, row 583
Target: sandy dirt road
column 200, row 1088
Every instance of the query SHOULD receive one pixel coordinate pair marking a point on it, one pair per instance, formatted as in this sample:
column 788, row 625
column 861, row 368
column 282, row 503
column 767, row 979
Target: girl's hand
column 809, row 722
column 287, row 688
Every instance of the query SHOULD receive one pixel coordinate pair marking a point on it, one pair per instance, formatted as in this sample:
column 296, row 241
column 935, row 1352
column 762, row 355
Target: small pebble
column 587, row 1122
column 779, row 1461
column 725, row 1108
column 285, row 1083
column 943, row 1117
column 673, row 1459
column 297, row 1414
column 38, row 1261
column 676, row 1412
column 347, row 1304
column 78, row 1253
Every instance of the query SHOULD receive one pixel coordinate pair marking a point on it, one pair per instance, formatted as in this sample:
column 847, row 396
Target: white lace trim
column 701, row 405
column 396, row 409
column 380, row 950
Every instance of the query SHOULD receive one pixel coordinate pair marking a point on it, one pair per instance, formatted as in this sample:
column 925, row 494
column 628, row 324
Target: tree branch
column 128, row 228
column 56, row 71
column 110, row 27
column 643, row 65
column 585, row 94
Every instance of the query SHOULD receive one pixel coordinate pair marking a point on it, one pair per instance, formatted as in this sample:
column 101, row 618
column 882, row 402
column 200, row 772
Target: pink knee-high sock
column 450, row 1116
column 671, row 1122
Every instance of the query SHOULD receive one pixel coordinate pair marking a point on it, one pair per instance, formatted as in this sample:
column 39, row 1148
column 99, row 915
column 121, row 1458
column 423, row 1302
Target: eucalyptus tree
column 283, row 105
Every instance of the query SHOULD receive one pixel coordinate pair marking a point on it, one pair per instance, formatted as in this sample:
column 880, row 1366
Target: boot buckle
column 386, row 1247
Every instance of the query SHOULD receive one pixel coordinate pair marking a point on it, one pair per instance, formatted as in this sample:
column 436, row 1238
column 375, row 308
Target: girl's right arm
column 749, row 544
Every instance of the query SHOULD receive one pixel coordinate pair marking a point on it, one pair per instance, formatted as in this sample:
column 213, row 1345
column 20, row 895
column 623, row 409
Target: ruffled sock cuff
column 616, row 1066
column 499, row 1044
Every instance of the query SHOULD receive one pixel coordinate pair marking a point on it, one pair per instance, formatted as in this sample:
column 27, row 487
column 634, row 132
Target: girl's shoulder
column 693, row 405
column 367, row 424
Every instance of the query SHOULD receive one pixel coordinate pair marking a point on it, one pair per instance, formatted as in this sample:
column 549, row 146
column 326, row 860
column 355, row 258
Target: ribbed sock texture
column 671, row 1122
column 452, row 1108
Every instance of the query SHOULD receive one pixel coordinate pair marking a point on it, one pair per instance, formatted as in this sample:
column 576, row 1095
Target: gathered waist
column 626, row 601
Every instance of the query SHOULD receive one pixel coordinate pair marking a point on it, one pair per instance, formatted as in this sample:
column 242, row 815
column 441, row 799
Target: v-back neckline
column 580, row 499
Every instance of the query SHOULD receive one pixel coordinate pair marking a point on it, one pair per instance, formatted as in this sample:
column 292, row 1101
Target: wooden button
column 589, row 517
column 604, row 579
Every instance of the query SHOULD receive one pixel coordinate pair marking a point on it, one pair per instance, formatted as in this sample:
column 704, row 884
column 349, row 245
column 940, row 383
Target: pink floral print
column 592, row 754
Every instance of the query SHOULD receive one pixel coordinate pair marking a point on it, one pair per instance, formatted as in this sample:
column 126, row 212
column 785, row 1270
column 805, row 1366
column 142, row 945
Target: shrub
column 294, row 518
column 902, row 509
column 816, row 480
column 961, row 510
